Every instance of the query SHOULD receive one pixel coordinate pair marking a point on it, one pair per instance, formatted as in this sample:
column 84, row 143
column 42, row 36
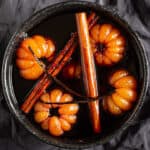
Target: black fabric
column 13, row 136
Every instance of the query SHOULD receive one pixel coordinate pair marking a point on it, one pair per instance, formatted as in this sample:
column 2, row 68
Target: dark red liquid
column 59, row 28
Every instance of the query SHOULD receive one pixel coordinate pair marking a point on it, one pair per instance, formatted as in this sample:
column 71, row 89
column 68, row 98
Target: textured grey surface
column 13, row 136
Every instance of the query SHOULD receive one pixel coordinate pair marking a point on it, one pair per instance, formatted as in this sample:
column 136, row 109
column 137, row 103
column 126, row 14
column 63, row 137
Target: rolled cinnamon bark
column 54, row 68
column 88, row 67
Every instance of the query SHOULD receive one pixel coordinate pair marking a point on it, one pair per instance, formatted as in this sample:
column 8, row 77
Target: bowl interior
column 58, row 22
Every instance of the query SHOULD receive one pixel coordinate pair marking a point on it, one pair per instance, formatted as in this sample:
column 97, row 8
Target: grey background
column 13, row 136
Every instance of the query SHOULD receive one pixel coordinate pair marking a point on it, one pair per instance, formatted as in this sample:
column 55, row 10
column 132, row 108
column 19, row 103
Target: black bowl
column 58, row 19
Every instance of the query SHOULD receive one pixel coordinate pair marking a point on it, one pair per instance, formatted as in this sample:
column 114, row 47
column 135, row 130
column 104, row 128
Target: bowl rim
column 53, row 9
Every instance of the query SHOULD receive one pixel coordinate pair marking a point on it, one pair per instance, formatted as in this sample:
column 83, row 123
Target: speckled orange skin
column 56, row 125
column 124, row 95
column 113, row 42
column 42, row 48
column 72, row 71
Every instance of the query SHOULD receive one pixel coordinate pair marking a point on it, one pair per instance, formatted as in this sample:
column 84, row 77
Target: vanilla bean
column 65, row 87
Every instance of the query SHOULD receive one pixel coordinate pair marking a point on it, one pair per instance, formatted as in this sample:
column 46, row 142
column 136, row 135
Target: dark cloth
column 13, row 136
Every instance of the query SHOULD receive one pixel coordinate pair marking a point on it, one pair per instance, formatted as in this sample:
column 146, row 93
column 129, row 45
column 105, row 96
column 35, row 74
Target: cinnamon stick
column 88, row 66
column 53, row 69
